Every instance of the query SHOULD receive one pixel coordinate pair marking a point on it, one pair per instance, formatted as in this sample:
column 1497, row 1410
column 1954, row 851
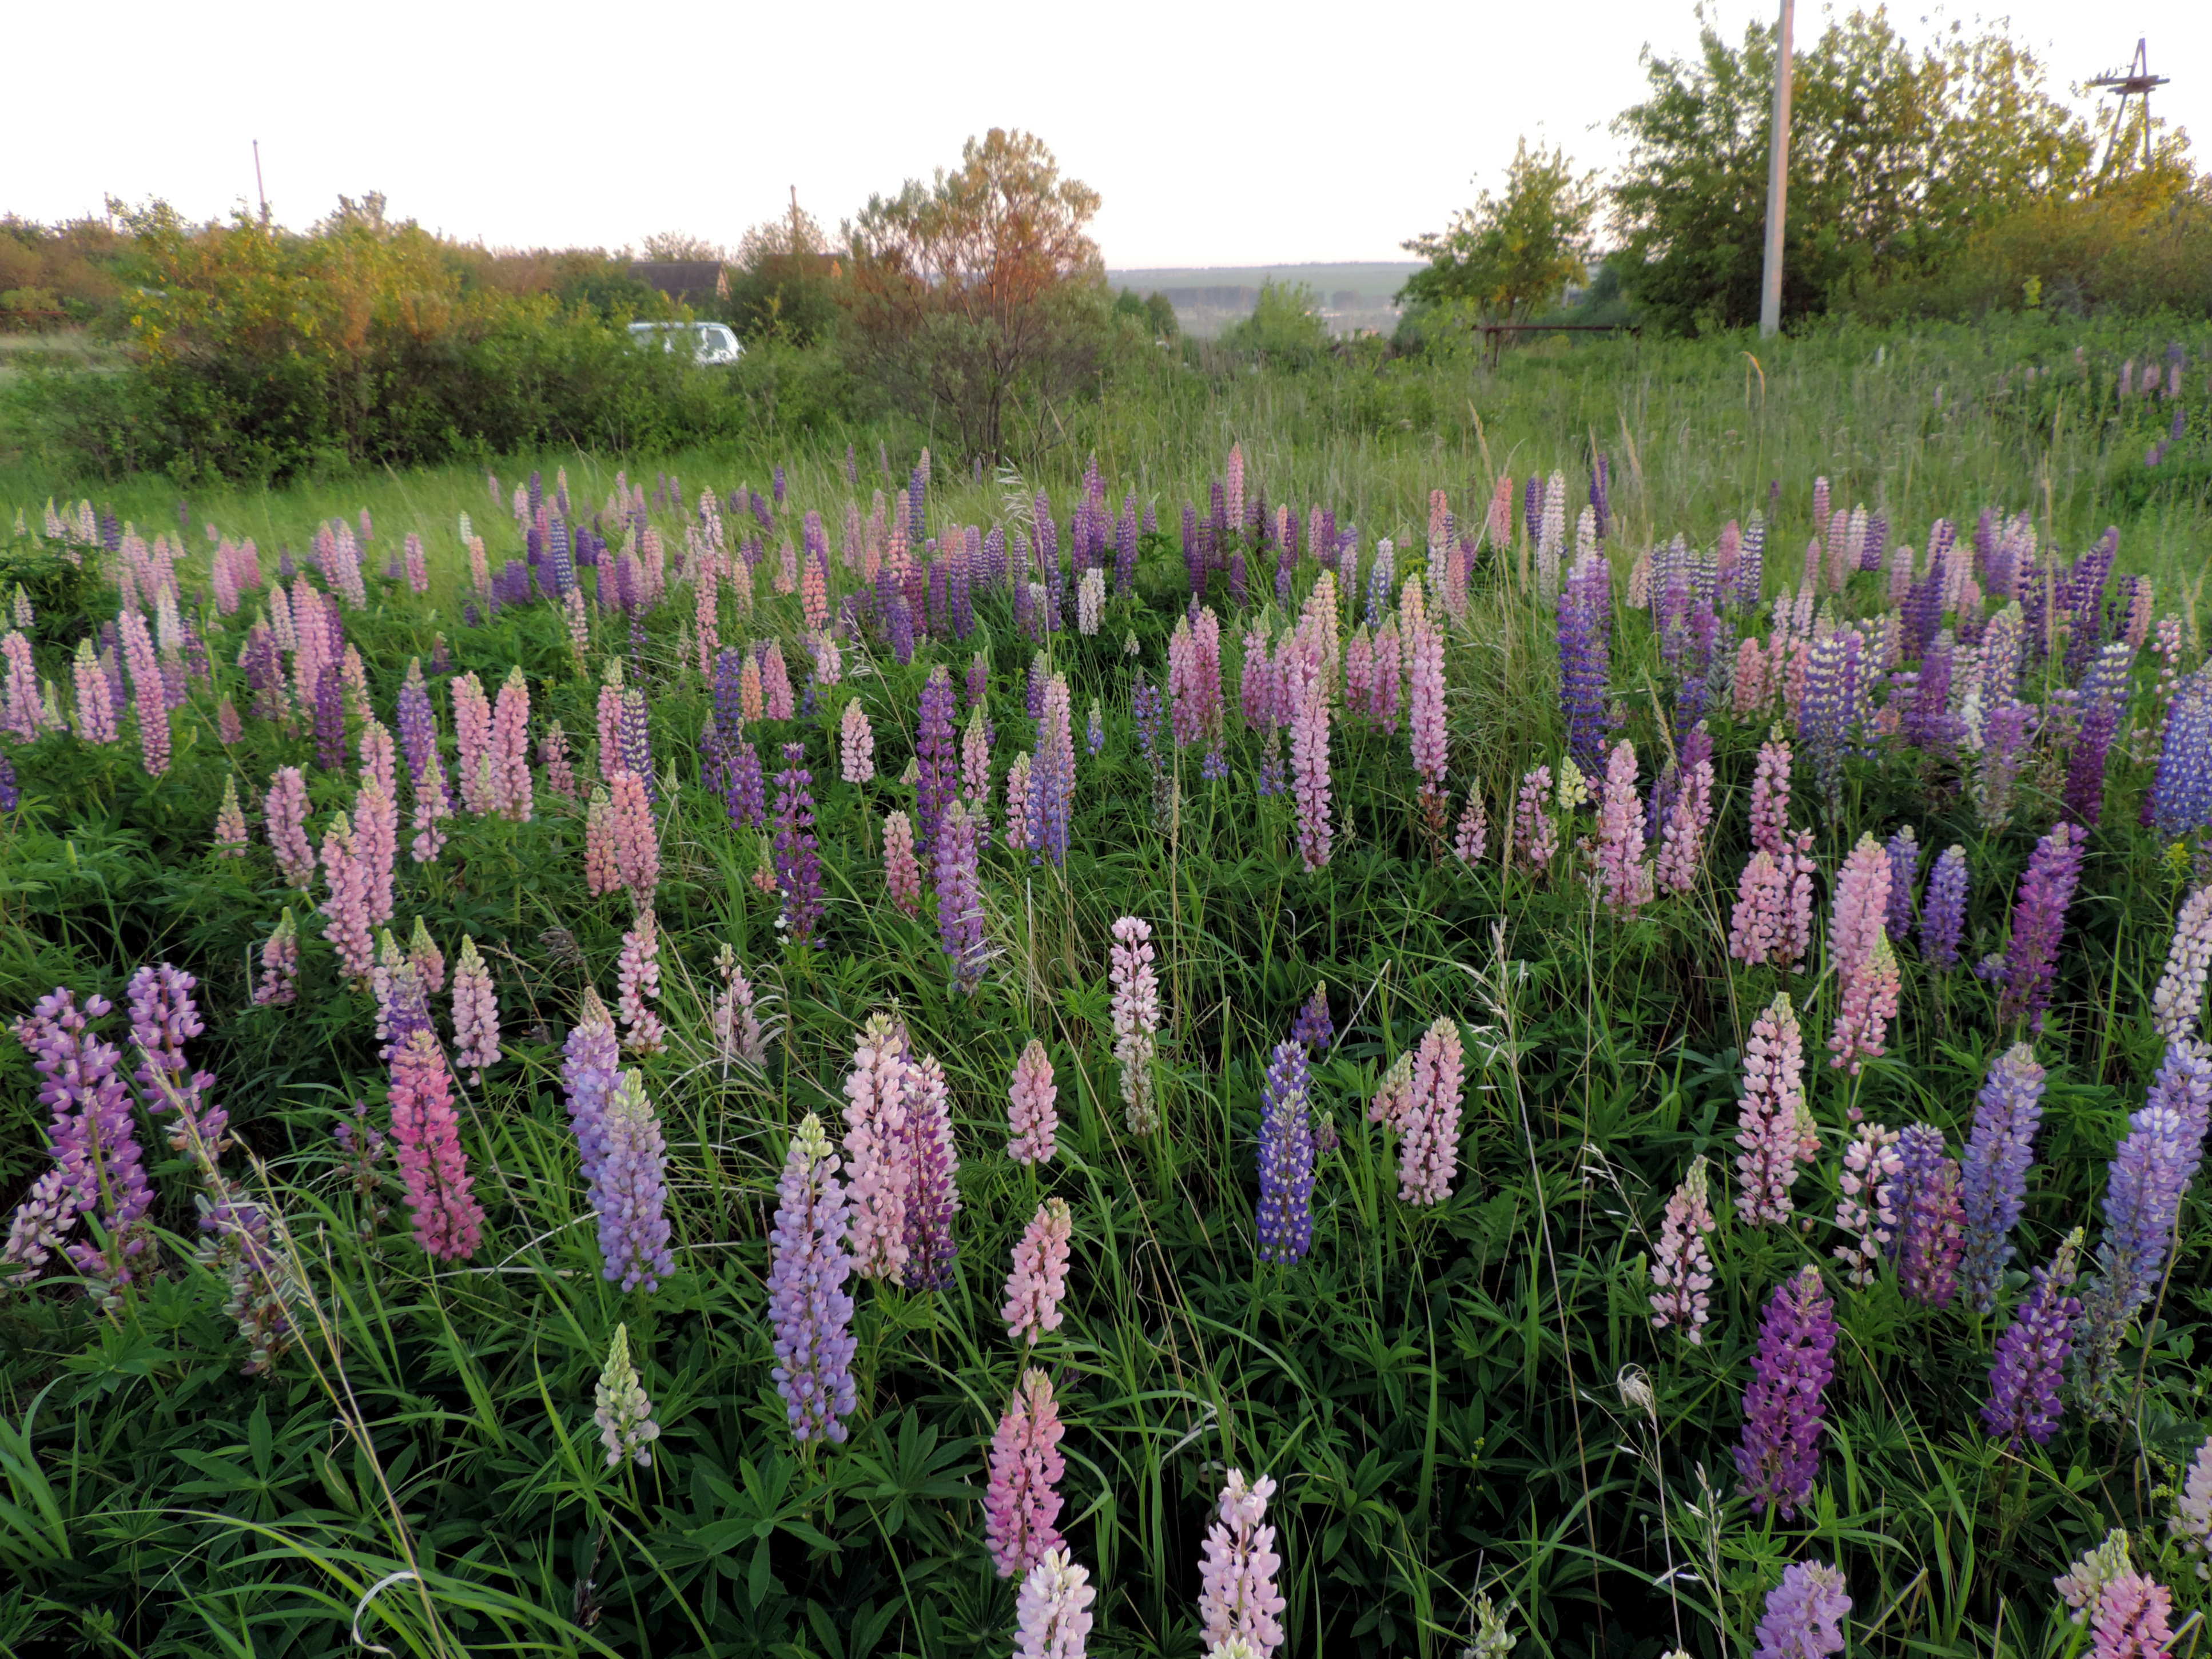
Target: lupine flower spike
column 1038, row 1283
column 809, row 1308
column 1136, row 1020
column 1681, row 1269
column 1779, row 1453
column 1237, row 1597
column 1776, row 1128
column 624, row 1415
column 1020, row 1503
column 1030, row 1118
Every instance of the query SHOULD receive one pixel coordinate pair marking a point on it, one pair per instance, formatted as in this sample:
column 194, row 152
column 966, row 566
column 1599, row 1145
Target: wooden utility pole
column 1778, row 180
column 260, row 189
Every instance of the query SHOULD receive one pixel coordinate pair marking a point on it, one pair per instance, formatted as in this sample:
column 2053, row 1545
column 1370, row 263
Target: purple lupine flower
column 2183, row 789
column 1287, row 1157
column 162, row 1017
column 637, row 741
column 729, row 722
column 1993, row 1180
column 2039, row 922
column 1877, row 543
column 91, row 1136
column 808, row 1305
column 798, row 856
column 1313, row 1028
column 591, row 1062
column 1585, row 646
column 1830, row 709
column 1926, row 1242
column 1804, row 1614
column 2083, row 596
column 1095, row 736
column 1748, row 584
column 631, row 1191
column 1927, row 721
column 959, row 896
column 898, row 627
column 419, row 724
column 1532, row 507
column 1904, row 850
column 1052, row 779
column 2032, row 1355
column 1600, row 495
column 937, row 755
column 744, row 788
column 932, row 1199
column 11, row 792
column 2104, row 703
column 1782, row 1409
column 329, row 720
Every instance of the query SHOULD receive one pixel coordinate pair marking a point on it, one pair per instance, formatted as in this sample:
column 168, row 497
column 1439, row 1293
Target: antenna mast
column 2134, row 81
column 259, row 189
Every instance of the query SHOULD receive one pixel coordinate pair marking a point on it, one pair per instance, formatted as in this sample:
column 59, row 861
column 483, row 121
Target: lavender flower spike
column 2032, row 1355
column 2038, row 923
column 1943, row 911
column 1993, row 1184
column 2177, row 1004
column 631, row 1192
column 1804, row 1614
column 808, row 1305
column 1782, row 1409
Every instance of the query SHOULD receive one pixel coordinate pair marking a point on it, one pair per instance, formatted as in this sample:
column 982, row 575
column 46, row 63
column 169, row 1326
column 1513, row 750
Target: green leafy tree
column 788, row 280
column 1285, row 325
column 1509, row 255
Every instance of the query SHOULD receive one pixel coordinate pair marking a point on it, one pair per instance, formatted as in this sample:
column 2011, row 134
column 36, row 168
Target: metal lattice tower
column 2135, row 81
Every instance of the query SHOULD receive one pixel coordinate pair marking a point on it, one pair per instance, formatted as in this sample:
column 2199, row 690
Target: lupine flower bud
column 624, row 1414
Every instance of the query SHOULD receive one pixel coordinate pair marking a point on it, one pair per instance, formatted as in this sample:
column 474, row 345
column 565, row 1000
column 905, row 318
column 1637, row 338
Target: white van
column 712, row 343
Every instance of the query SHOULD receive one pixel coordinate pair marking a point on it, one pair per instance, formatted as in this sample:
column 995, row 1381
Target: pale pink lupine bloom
column 418, row 567
column 1238, row 1571
column 1750, row 691
column 1624, row 875
column 20, row 714
column 637, row 984
column 1382, row 696
column 284, row 814
column 610, row 714
column 1535, row 834
column 1471, row 838
column 1424, row 686
column 751, row 704
column 1861, row 904
column 380, row 757
column 975, row 761
column 1868, row 1209
column 376, row 842
column 430, row 962
column 1136, row 1013
column 707, row 613
column 472, row 744
column 775, row 684
column 1769, row 796
column 1038, row 1283
column 1772, row 922
column 553, row 755
column 1682, row 850
column 1681, row 1269
column 1428, row 1150
column 636, row 846
column 1020, row 1503
column 1020, row 830
column 1030, row 1114
column 510, row 749
column 431, row 805
column 280, row 965
column 881, row 1177
column 448, row 1220
column 230, row 823
column 475, row 1013
column 148, row 693
column 902, row 870
column 1358, row 671
column 1870, row 1003
column 2179, row 1001
column 346, row 906
column 1774, row 1126
column 229, row 731
column 856, row 745
column 96, row 700
column 602, row 868
column 1309, row 689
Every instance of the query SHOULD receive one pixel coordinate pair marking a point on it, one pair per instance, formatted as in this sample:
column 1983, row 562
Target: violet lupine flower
column 1943, row 912
column 1136, row 1013
column 1804, row 1614
column 1993, row 1178
column 40, row 1226
column 91, row 1135
column 1904, row 851
column 2103, row 704
column 636, row 755
column 2032, row 1355
column 1052, row 776
column 2006, row 731
column 937, row 755
column 1585, row 633
column 149, row 695
column 1428, row 1148
column 797, row 855
column 809, row 1308
column 1926, row 1245
column 2179, row 1002
column 403, row 1001
column 1237, row 1570
column 448, row 1220
column 162, row 1019
column 959, row 896
column 2182, row 787
column 876, row 1091
column 475, row 1013
column 2039, row 922
column 1020, row 1504
column 1038, row 1283
column 623, row 1411
column 1052, row 1614
column 1031, row 1120
column 1313, row 1026
column 1681, row 1267
column 631, row 1192
column 744, row 788
column 1780, row 1454
column 1774, row 1126
column 1286, row 1158
column 932, row 1199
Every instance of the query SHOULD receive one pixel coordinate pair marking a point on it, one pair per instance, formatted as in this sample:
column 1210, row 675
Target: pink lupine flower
column 1424, row 684
column 636, row 847
column 1020, row 1503
column 280, row 965
column 346, row 908
column 1023, row 831
column 418, row 568
column 1471, row 838
column 1870, row 1003
column 602, row 868
column 1535, row 835
column 1052, row 1614
column 476, row 1014
column 510, row 749
column 1038, row 1283
column 876, row 1092
column 751, row 704
column 1030, row 1114
column 149, row 692
column 19, row 712
column 1682, row 850
column 1774, row 1126
column 814, row 594
column 432, row 806
column 1868, row 1209
column 379, row 755
column 856, row 745
column 902, row 870
column 1861, row 905
column 735, row 1023
column 284, row 812
column 230, row 824
column 637, row 983
column 553, row 755
column 472, row 743
column 229, row 732
column 775, row 684
column 1238, row 1571
column 1772, row 922
column 1428, row 1150
column 1681, row 1269
column 707, row 611
column 1309, row 689
column 1769, row 796
column 430, row 962
column 610, row 716
column 1750, row 691
column 376, row 839
column 448, row 1220
column 1136, row 1020
column 1624, row 875
column 975, row 761
column 1358, row 671
column 95, row 699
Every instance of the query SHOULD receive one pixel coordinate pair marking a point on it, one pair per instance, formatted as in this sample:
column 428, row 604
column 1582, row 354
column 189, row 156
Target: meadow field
column 1394, row 1009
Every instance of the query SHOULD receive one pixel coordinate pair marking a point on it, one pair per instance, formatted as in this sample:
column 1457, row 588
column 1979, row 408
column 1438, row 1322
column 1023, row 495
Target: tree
column 787, row 281
column 1506, row 256
column 1285, row 325
column 983, row 287
column 682, row 246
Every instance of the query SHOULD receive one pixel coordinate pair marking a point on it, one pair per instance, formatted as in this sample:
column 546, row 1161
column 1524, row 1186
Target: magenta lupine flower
column 91, row 1135
column 346, row 908
column 630, row 837
column 1428, row 1149
column 1993, row 1177
column 2038, row 923
column 510, row 749
column 959, row 897
column 808, row 1306
column 1237, row 1571
column 936, row 756
column 1031, row 1120
column 902, row 870
column 1804, row 1614
column 592, row 1060
column 2032, row 1356
column 1681, row 1269
column 1780, row 1454
column 631, row 1192
column 1286, row 1158
column 1624, row 875
column 975, row 759
column 95, row 699
column 280, row 965
column 2177, row 1004
column 1052, row 1614
column 932, row 1199
column 877, row 1094
column 797, row 857
column 1136, row 1012
column 1038, row 1283
column 1308, row 677
column 1930, row 1216
column 1769, row 796
column 1774, row 1127
column 148, row 693
column 1943, row 913
column 448, row 1220
column 1020, row 1503
column 637, row 984
column 475, row 1013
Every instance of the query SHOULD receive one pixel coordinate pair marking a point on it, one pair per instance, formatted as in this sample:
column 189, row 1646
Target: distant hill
column 1208, row 298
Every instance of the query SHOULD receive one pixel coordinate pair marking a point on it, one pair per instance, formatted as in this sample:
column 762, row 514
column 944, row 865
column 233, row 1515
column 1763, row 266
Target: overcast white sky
column 1217, row 134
